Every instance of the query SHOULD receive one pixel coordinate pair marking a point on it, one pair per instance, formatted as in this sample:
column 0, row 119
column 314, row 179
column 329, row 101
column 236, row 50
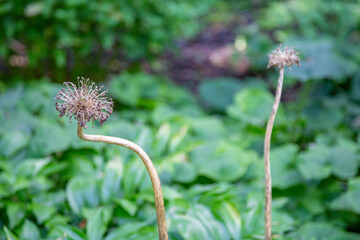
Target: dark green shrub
column 56, row 30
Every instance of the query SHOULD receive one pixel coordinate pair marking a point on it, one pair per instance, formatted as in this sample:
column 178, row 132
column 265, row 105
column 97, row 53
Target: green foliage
column 56, row 30
column 210, row 167
column 323, row 53
column 218, row 93
column 56, row 186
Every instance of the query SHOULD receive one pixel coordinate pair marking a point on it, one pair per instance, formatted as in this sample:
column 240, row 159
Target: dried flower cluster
column 86, row 102
column 287, row 57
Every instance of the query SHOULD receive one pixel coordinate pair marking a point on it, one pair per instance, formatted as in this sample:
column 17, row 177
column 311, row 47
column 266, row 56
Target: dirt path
column 210, row 54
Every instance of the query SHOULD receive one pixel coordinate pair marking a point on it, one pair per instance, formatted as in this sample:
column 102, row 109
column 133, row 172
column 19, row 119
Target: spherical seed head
column 86, row 102
column 287, row 57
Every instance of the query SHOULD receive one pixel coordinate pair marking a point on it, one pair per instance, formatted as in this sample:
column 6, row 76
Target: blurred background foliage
column 190, row 85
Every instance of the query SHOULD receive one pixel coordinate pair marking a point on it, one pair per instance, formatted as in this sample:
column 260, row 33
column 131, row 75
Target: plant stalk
column 267, row 142
column 159, row 201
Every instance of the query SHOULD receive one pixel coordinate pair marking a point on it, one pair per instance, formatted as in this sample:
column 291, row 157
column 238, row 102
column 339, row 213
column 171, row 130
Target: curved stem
column 268, row 132
column 159, row 201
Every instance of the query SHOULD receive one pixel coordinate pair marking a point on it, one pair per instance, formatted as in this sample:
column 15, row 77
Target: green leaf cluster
column 54, row 185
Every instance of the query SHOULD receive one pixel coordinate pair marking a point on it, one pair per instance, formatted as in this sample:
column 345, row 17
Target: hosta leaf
column 48, row 138
column 202, row 126
column 9, row 234
column 344, row 162
column 30, row 231
column 13, row 142
column 197, row 224
column 222, row 162
column 218, row 93
column 314, row 163
column 350, row 199
column 66, row 232
column 112, row 180
column 128, row 229
column 319, row 60
column 252, row 106
column 184, row 172
column 283, row 173
column 31, row 167
column 15, row 213
column 82, row 192
column 96, row 222
column 230, row 216
column 42, row 213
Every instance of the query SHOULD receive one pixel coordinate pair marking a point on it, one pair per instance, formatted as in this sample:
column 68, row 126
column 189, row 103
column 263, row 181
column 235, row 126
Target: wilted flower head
column 287, row 57
column 86, row 102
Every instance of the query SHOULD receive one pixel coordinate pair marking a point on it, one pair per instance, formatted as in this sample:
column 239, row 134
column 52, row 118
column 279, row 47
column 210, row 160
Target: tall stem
column 159, row 201
column 268, row 132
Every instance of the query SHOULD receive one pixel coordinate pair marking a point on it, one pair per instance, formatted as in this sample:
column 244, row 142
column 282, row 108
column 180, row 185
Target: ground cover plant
column 206, row 141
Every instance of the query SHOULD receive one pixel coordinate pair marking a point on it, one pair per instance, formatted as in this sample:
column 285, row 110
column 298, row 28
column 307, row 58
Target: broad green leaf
column 212, row 195
column 31, row 167
column 355, row 87
column 177, row 138
column 316, row 230
column 313, row 202
column 9, row 234
column 128, row 206
column 15, row 213
column 121, row 129
column 19, row 120
column 10, row 98
column 42, row 212
column 50, row 198
column 95, row 224
column 171, row 193
column 13, row 142
column 344, row 162
column 31, row 93
column 82, row 192
column 48, row 138
column 208, row 128
column 354, row 194
column 349, row 201
column 184, row 172
column 230, row 216
column 283, row 173
column 135, row 175
column 218, row 93
column 214, row 227
column 81, row 163
column 282, row 222
column 198, row 223
column 222, row 162
column 110, row 186
column 314, row 163
column 162, row 114
column 66, row 232
column 57, row 220
column 321, row 118
column 317, row 56
column 252, row 106
column 162, row 138
column 253, row 222
column 29, row 231
column 126, row 230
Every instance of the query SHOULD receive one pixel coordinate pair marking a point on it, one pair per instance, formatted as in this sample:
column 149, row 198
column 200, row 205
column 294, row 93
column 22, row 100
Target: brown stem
column 159, row 201
column 268, row 132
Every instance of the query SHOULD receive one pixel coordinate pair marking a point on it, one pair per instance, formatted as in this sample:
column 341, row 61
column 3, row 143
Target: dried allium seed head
column 287, row 57
column 86, row 102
